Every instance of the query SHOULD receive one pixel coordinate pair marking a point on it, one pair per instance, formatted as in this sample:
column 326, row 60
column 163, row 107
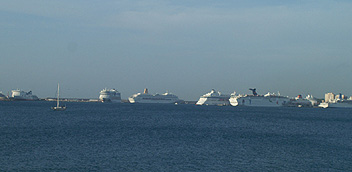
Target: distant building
column 340, row 96
column 332, row 97
column 329, row 97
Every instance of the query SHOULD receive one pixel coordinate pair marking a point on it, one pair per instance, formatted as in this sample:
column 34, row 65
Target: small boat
column 58, row 107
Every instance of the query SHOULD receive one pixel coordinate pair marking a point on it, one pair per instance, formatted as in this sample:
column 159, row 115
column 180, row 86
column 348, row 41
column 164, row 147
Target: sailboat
column 58, row 107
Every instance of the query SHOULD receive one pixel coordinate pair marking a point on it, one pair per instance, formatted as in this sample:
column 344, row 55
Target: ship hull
column 161, row 101
column 59, row 108
column 259, row 101
column 335, row 105
column 19, row 98
column 111, row 100
column 300, row 103
column 217, row 101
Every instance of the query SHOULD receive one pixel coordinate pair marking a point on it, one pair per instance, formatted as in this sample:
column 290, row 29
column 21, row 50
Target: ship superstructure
column 214, row 98
column 267, row 100
column 110, row 95
column 145, row 97
column 299, row 101
column 22, row 95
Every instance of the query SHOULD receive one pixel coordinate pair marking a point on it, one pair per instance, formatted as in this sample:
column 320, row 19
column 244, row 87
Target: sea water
column 159, row 137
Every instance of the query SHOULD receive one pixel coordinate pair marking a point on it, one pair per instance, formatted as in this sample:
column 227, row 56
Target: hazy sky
column 185, row 46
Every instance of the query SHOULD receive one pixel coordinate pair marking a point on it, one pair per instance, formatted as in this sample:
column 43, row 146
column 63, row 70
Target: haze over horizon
column 185, row 47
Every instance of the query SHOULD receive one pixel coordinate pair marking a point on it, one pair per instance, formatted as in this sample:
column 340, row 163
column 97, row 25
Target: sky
column 186, row 47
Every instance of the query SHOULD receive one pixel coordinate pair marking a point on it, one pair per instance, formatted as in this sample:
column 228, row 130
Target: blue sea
column 153, row 138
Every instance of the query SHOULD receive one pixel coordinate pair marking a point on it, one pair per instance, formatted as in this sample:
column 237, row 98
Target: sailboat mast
column 58, row 93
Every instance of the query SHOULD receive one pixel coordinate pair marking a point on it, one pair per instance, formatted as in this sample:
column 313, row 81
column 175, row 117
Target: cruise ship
column 2, row 96
column 336, row 102
column 267, row 100
column 145, row 97
column 299, row 101
column 110, row 95
column 214, row 98
column 22, row 95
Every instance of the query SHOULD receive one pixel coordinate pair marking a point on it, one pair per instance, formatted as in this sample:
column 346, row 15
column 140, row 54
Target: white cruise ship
column 214, row 98
column 110, row 95
column 2, row 96
column 145, row 97
column 22, row 95
column 267, row 100
column 299, row 101
column 337, row 102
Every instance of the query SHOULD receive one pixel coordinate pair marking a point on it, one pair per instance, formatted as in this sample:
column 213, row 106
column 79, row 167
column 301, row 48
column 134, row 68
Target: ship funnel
column 254, row 91
column 146, row 91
